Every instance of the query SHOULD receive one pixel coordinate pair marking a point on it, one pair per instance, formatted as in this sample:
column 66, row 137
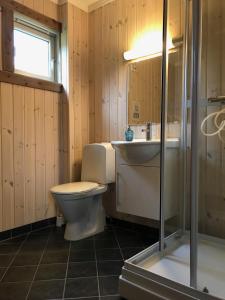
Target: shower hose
column 220, row 125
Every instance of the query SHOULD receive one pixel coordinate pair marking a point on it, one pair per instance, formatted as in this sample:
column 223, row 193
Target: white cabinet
column 138, row 190
column 138, row 186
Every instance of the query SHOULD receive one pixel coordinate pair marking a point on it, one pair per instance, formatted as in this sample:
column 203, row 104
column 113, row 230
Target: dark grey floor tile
column 129, row 252
column 9, row 248
column 55, row 257
column 81, row 287
column 103, row 244
column 36, row 238
column 87, row 244
column 41, row 290
column 18, row 274
column 53, row 271
column 5, row 260
column 108, row 254
column 57, row 246
column 27, row 258
column 14, row 291
column 105, row 235
column 109, row 285
column 32, row 247
column 2, row 271
column 16, row 240
column 134, row 241
column 82, row 255
column 106, row 268
column 82, row 269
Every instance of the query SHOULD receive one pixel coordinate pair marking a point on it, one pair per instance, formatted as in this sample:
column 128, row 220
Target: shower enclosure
column 189, row 260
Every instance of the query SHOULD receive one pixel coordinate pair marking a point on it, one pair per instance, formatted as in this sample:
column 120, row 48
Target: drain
column 205, row 290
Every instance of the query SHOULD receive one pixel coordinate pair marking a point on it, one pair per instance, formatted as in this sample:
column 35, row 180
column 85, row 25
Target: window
column 35, row 50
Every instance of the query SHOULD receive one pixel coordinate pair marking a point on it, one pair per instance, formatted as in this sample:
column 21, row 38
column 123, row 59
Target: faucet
column 148, row 131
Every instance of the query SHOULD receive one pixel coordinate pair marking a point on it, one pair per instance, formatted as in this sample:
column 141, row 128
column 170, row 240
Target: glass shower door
column 210, row 275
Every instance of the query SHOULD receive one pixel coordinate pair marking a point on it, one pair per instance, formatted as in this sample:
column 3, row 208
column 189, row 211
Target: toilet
column 81, row 202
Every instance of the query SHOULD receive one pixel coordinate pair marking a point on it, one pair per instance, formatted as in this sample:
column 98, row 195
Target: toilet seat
column 75, row 188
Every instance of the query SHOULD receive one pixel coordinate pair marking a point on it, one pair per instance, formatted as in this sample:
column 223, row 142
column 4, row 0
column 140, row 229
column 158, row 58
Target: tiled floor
column 42, row 265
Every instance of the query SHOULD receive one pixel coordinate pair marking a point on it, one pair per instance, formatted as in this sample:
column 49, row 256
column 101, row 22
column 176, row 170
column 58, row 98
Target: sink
column 138, row 151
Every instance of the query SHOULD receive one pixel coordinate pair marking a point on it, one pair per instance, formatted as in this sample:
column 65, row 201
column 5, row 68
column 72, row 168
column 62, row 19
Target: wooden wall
column 76, row 85
column 212, row 150
column 30, row 146
column 29, row 154
column 113, row 29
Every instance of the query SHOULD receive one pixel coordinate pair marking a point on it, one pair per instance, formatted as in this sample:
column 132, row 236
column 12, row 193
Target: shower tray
column 149, row 275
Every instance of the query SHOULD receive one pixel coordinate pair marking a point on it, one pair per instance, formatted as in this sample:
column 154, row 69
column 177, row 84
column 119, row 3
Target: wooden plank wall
column 30, row 154
column 113, row 29
column 76, row 84
column 212, row 154
column 30, row 146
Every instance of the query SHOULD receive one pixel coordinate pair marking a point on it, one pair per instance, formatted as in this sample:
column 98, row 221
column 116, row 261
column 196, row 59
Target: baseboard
column 12, row 233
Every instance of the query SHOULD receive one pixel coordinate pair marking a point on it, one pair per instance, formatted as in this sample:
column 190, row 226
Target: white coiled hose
column 219, row 126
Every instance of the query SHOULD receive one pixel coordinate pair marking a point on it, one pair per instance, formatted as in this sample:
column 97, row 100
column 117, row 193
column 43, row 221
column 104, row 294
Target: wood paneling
column 112, row 30
column 212, row 150
column 45, row 7
column 76, row 85
column 27, row 81
column 30, row 146
column 30, row 154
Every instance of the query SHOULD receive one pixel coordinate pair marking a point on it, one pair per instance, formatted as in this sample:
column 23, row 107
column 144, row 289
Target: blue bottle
column 129, row 134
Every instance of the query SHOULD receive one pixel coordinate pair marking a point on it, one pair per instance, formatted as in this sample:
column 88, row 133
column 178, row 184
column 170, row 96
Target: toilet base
column 76, row 232
column 91, row 222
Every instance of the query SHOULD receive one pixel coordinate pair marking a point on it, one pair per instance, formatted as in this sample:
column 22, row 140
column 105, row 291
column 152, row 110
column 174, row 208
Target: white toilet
column 81, row 202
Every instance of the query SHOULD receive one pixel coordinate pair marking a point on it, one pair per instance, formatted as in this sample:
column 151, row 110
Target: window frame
column 7, row 72
column 32, row 28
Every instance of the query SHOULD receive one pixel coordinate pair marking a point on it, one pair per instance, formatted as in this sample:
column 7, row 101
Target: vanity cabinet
column 138, row 190
column 138, row 186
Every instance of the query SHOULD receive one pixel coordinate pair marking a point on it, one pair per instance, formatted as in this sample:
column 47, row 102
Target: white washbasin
column 140, row 150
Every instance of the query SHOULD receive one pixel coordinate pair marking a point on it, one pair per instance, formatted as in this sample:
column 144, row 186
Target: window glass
column 35, row 50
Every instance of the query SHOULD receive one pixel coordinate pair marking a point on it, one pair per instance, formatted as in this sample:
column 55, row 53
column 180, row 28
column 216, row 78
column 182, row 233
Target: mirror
column 144, row 90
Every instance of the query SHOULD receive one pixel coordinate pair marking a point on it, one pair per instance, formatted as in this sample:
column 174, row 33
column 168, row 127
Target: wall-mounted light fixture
column 148, row 45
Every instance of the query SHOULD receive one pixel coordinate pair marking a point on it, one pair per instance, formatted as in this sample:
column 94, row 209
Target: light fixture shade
column 148, row 45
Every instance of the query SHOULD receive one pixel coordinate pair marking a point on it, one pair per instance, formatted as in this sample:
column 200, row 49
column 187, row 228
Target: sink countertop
column 172, row 142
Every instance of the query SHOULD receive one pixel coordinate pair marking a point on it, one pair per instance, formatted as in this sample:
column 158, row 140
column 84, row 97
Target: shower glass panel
column 189, row 260
column 173, row 157
column 211, row 151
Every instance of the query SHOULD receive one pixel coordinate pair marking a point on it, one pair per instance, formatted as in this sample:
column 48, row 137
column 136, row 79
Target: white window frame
column 30, row 27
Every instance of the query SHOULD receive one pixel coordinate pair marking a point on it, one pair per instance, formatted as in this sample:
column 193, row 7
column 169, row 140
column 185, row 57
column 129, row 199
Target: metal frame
column 195, row 76
column 139, row 283
column 163, row 124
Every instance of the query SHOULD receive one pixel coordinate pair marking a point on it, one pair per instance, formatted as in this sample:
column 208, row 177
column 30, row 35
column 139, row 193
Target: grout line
column 43, row 251
column 96, row 264
column 67, row 268
column 15, row 254
column 60, row 279
column 115, row 235
column 92, row 297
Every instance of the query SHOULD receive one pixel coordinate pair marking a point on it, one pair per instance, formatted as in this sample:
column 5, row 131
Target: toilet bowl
column 81, row 202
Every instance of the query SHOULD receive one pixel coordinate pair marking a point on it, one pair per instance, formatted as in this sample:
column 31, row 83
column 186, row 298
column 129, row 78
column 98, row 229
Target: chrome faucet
column 148, row 131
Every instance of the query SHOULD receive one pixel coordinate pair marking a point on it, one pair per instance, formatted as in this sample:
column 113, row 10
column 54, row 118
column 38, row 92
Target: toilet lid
column 74, row 187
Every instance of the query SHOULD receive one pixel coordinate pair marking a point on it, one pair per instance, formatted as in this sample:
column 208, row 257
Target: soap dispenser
column 129, row 134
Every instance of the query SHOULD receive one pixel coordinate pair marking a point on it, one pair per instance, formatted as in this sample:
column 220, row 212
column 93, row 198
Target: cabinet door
column 138, row 191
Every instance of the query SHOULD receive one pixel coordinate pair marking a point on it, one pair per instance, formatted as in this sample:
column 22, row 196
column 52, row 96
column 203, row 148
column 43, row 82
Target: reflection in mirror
column 144, row 90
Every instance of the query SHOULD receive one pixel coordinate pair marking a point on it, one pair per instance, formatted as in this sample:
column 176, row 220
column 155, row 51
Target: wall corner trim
column 85, row 5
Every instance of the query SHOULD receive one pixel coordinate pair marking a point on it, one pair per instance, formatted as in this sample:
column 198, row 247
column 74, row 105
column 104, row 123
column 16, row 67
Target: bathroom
column 112, row 120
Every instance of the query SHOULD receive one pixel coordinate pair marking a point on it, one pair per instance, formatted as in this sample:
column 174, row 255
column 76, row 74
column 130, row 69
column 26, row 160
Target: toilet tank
column 98, row 163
